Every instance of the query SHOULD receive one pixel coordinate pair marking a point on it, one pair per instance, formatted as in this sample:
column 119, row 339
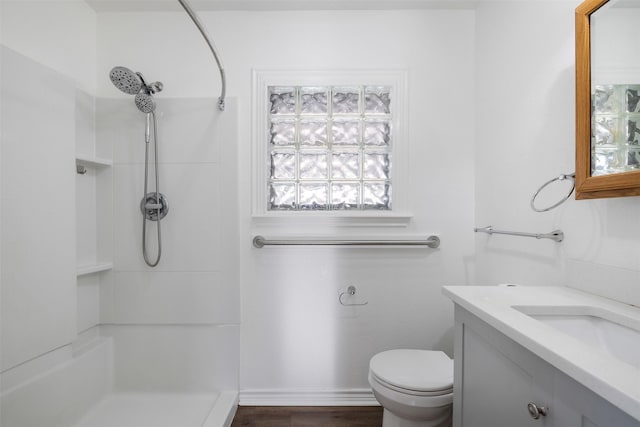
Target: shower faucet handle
column 154, row 206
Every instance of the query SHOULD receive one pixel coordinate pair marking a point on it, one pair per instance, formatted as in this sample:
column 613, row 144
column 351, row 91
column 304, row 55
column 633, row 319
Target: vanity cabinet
column 496, row 380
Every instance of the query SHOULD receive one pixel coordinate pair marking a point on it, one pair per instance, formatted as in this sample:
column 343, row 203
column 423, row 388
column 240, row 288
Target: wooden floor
column 308, row 416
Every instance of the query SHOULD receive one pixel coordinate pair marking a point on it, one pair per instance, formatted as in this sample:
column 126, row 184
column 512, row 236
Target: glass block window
column 615, row 129
column 329, row 148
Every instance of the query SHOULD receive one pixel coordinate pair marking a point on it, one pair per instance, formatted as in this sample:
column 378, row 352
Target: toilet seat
column 414, row 372
column 417, row 393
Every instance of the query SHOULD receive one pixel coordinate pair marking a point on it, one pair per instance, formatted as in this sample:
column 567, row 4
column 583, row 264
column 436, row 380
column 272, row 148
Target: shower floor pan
column 160, row 410
column 74, row 387
column 142, row 408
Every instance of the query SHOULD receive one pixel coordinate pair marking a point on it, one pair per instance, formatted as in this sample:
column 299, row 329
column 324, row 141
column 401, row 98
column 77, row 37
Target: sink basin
column 614, row 334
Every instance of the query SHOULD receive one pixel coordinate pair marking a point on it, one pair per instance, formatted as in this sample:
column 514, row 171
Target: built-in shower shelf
column 93, row 161
column 83, row 270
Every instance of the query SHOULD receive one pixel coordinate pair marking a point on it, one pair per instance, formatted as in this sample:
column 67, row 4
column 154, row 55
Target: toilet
column 415, row 387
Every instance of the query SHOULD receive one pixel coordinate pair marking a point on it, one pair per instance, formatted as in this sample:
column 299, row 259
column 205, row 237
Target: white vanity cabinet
column 495, row 379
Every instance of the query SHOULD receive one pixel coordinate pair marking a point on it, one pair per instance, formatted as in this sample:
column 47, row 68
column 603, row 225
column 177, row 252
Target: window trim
column 396, row 79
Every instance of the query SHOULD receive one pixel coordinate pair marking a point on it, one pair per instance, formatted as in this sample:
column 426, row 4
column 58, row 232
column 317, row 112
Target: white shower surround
column 152, row 347
column 167, row 338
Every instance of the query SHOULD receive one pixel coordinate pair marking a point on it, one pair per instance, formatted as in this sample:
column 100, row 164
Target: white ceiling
column 208, row 5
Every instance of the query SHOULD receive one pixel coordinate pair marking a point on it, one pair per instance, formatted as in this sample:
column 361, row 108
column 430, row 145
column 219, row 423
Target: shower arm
column 196, row 21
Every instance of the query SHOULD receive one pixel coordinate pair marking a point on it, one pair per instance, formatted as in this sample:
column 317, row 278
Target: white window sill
column 331, row 219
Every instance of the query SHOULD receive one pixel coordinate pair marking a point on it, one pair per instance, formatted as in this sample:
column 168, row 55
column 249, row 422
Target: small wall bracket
column 351, row 290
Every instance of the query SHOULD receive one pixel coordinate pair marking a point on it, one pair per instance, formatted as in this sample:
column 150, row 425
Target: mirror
column 607, row 99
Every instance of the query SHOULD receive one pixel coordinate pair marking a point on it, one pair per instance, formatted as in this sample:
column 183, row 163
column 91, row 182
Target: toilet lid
column 419, row 370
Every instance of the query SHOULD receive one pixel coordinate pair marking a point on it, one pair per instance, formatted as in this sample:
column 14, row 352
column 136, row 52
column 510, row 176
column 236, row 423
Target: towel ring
column 562, row 177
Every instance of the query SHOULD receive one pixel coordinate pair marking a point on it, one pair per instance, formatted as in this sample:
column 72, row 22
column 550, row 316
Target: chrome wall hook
column 351, row 290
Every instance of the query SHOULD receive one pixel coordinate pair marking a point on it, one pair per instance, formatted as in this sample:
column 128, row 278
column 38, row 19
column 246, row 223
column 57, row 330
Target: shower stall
column 116, row 311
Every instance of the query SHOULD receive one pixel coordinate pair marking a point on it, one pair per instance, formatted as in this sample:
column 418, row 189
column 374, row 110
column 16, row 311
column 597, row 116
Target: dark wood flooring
column 308, row 416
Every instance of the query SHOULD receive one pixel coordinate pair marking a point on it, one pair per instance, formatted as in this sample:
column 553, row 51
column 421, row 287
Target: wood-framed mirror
column 607, row 112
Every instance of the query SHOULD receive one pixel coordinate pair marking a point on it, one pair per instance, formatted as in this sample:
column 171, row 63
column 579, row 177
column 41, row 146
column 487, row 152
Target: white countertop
column 614, row 380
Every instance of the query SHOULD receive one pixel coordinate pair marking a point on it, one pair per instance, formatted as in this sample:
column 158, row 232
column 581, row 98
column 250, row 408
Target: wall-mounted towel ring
column 571, row 176
column 351, row 290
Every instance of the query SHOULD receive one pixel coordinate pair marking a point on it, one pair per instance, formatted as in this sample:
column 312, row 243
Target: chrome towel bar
column 431, row 241
column 556, row 235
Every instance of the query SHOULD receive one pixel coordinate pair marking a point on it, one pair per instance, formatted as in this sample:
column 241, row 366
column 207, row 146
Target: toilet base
column 389, row 419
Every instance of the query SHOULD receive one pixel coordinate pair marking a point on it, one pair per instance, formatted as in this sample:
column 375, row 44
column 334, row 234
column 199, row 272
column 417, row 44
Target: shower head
column 145, row 102
column 134, row 84
column 126, row 80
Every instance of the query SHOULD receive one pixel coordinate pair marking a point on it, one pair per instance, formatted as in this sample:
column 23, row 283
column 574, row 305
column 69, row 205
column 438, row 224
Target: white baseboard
column 348, row 397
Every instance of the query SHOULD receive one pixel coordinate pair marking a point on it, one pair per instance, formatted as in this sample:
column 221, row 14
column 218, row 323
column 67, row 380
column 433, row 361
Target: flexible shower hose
column 158, row 206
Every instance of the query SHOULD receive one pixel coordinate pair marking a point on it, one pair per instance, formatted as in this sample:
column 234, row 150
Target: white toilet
column 415, row 387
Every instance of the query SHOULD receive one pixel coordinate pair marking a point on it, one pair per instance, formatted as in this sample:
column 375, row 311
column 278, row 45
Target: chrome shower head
column 126, row 80
column 134, row 84
column 145, row 102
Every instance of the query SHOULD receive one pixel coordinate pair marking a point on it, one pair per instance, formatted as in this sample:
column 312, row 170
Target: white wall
column 60, row 34
column 525, row 136
column 525, row 120
column 292, row 321
column 38, row 279
column 39, row 82
column 48, row 53
column 295, row 335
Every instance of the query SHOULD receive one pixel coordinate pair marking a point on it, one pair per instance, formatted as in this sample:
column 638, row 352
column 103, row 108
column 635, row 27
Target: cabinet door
column 576, row 406
column 500, row 379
